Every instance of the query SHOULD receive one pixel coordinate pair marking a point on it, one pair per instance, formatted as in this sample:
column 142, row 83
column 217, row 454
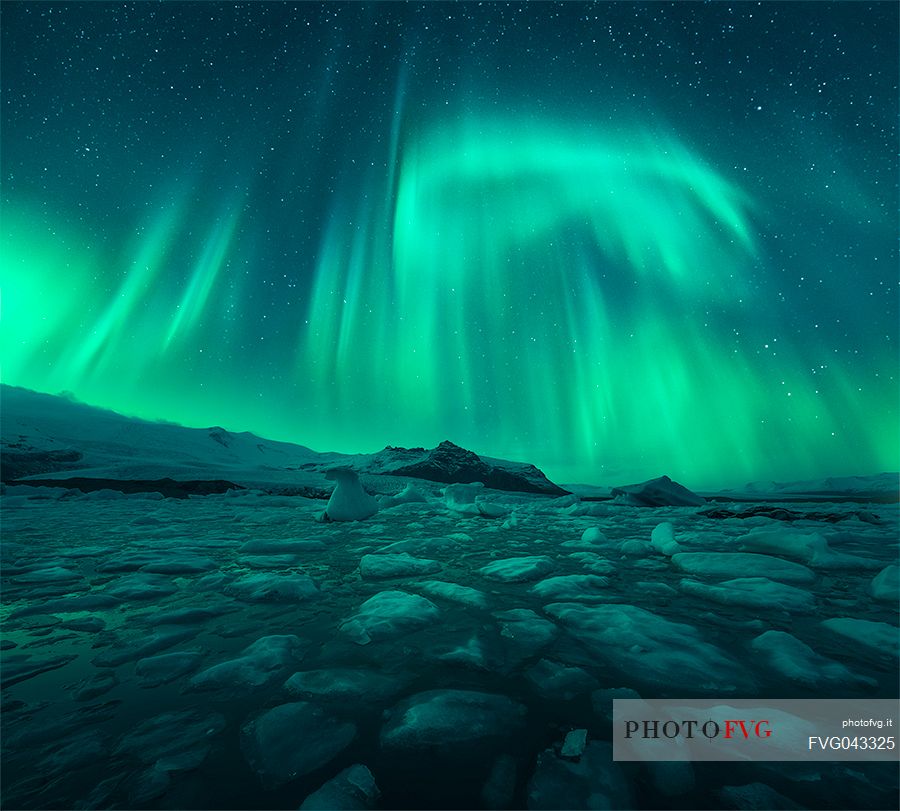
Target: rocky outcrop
column 16, row 462
column 451, row 464
column 168, row 487
column 661, row 492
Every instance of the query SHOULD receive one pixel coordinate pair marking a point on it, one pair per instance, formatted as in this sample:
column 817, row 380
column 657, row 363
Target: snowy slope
column 46, row 436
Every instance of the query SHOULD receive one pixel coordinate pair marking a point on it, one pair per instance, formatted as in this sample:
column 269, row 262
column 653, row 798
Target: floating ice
column 886, row 585
column 635, row 549
column 559, row 682
column 166, row 667
column 799, row 663
column 291, row 740
column 464, row 595
column 585, row 587
column 354, row 789
column 348, row 502
column 662, row 539
column 461, row 498
column 880, row 637
column 811, row 548
column 649, row 648
column 268, row 587
column 98, row 684
column 408, row 495
column 279, row 546
column 593, row 781
column 343, row 684
column 444, row 720
column 742, row 564
column 19, row 667
column 753, row 592
column 593, row 535
column 141, row 586
column 129, row 650
column 170, row 734
column 389, row 613
column 518, row 570
column 525, row 631
column 258, row 665
column 375, row 567
column 574, row 743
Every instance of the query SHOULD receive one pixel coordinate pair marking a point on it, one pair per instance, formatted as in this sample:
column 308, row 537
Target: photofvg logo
column 729, row 728
column 750, row 729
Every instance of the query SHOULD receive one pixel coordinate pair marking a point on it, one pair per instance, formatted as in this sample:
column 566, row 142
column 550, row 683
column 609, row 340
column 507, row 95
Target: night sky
column 615, row 240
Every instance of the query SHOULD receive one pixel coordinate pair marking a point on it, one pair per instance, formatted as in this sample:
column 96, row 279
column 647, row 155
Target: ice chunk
column 594, row 535
column 454, row 592
column 753, row 592
column 593, row 562
column 742, row 564
column 141, row 586
column 811, row 548
column 181, row 563
column 258, row 665
column 270, row 587
column 662, row 539
column 278, row 546
column 886, row 585
column 166, row 667
column 574, row 743
column 170, row 734
column 453, row 720
column 354, row 789
column 586, row 587
column 348, row 502
column 602, row 700
column 471, row 653
column 130, row 650
column 649, row 648
column 526, row 631
column 594, row 781
column 98, row 684
column 291, row 740
column 408, row 495
column 461, row 498
column 661, row 492
column 799, row 663
column 559, row 682
column 343, row 684
column 47, row 574
column 635, row 549
column 880, row 637
column 389, row 613
column 518, row 570
column 375, row 567
column 19, row 667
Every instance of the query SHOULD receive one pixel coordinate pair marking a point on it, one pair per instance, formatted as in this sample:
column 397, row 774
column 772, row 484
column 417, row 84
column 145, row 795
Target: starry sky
column 617, row 240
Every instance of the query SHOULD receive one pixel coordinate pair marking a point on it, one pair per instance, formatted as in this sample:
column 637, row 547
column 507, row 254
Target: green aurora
column 609, row 299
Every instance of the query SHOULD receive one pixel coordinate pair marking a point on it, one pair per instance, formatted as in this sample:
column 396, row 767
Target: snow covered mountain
column 47, row 436
column 448, row 463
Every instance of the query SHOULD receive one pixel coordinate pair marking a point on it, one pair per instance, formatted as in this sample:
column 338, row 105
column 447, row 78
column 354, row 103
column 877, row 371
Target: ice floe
column 650, row 649
column 389, row 613
column 742, row 564
column 799, row 663
column 291, row 740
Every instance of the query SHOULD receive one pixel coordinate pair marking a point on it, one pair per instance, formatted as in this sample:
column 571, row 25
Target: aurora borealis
column 615, row 240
